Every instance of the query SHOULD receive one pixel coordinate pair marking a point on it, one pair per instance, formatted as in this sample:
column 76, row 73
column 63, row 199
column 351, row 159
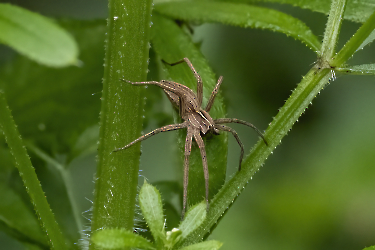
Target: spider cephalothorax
column 196, row 121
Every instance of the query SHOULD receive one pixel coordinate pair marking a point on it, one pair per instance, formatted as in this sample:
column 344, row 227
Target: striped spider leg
column 197, row 121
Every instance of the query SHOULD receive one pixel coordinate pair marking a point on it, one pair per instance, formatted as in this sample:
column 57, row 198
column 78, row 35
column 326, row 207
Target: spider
column 197, row 121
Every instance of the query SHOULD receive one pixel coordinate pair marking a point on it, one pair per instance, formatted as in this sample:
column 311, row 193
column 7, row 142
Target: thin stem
column 29, row 177
column 127, row 45
column 364, row 69
column 301, row 97
column 332, row 29
column 67, row 181
column 355, row 42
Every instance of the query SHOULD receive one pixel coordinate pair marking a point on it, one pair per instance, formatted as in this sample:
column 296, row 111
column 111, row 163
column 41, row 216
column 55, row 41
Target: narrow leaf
column 173, row 236
column 29, row 177
column 36, row 37
column 87, row 142
column 193, row 219
column 119, row 238
column 364, row 69
column 369, row 248
column 367, row 41
column 240, row 15
column 357, row 11
column 355, row 41
column 206, row 245
column 152, row 210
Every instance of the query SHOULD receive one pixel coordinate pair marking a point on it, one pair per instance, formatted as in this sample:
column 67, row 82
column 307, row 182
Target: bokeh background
column 317, row 190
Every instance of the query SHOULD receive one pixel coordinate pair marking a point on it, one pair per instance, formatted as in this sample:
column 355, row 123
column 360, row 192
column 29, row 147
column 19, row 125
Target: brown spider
column 196, row 120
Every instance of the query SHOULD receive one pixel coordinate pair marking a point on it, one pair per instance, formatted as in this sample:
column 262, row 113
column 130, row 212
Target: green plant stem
column 29, row 177
column 67, row 181
column 121, row 113
column 355, row 42
column 301, row 97
column 332, row 29
column 309, row 87
column 364, row 69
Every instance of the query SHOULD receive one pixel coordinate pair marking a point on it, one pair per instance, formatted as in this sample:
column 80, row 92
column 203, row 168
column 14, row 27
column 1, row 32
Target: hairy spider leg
column 188, row 143
column 234, row 120
column 174, row 89
column 234, row 133
column 196, row 75
column 213, row 94
column 202, row 149
column 154, row 132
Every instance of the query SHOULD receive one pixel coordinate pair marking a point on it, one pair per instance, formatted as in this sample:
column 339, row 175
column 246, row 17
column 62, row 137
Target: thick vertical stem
column 127, row 45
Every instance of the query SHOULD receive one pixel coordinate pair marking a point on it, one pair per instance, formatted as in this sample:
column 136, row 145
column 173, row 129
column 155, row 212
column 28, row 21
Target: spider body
column 196, row 120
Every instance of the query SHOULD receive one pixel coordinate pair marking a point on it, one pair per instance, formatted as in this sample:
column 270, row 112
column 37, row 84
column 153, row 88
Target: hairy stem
column 332, row 29
column 67, row 181
column 29, row 177
column 301, row 97
column 355, row 41
column 121, row 120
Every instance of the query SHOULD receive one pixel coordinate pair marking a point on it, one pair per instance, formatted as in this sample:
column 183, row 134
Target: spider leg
column 213, row 94
column 188, row 142
column 141, row 83
column 234, row 133
column 154, row 132
column 234, row 120
column 178, row 94
column 201, row 146
column 182, row 108
column 196, row 75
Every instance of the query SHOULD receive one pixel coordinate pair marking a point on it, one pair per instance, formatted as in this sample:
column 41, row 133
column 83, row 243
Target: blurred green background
column 317, row 190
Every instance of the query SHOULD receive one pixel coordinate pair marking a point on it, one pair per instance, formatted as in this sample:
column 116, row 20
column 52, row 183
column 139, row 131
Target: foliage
column 152, row 209
column 56, row 113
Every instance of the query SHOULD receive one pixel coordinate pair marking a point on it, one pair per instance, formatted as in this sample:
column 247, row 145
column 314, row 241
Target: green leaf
column 206, row 245
column 36, row 37
column 152, row 210
column 240, row 15
column 172, row 44
column 170, row 192
column 357, row 11
column 66, row 185
column 355, row 42
column 173, row 236
column 368, row 40
column 54, row 106
column 29, row 177
column 364, row 69
column 119, row 238
column 87, row 142
column 16, row 215
column 193, row 219
column 369, row 248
